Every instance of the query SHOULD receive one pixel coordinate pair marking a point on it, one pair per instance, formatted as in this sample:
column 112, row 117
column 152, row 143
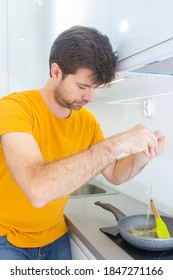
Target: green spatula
column 161, row 228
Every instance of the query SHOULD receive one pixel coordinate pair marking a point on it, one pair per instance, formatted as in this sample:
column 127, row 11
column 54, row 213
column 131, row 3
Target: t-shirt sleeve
column 97, row 131
column 14, row 117
column 98, row 135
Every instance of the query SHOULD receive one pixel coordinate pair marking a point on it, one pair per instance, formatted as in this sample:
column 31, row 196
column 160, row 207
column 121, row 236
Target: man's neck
column 47, row 93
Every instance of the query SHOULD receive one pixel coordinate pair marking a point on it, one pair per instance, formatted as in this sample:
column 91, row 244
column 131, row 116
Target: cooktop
column 135, row 253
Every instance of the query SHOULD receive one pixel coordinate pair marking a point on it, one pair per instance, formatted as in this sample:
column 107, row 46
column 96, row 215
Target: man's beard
column 59, row 96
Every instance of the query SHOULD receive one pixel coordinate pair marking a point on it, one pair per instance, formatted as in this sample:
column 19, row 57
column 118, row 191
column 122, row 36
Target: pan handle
column 115, row 211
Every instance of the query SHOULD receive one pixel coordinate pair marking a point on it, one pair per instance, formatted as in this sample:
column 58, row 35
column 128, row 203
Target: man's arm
column 43, row 182
column 126, row 168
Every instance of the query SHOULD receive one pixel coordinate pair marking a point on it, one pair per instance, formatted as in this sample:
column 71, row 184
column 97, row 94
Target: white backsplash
column 115, row 118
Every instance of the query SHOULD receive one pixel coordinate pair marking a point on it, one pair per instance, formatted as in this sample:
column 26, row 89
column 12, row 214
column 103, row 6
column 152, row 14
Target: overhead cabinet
column 28, row 28
column 21, row 45
column 140, row 24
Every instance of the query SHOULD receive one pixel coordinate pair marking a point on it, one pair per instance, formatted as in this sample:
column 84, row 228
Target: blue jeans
column 57, row 250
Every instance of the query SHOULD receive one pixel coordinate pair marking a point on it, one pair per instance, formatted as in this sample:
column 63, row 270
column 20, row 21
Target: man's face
column 76, row 90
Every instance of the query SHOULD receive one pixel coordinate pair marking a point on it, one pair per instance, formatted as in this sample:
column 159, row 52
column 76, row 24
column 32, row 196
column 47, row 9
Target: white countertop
column 84, row 219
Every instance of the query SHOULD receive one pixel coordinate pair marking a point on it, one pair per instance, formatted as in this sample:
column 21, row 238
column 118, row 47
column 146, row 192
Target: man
column 51, row 145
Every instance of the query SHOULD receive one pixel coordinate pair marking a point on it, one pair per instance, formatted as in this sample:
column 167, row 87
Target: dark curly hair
column 84, row 47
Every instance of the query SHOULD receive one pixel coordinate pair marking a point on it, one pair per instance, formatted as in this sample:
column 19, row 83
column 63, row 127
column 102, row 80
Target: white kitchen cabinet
column 63, row 14
column 79, row 250
column 140, row 24
column 28, row 28
column 132, row 26
column 77, row 253
column 24, row 44
column 21, row 45
column 3, row 47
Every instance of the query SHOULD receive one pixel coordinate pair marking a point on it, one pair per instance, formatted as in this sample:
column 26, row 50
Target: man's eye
column 82, row 87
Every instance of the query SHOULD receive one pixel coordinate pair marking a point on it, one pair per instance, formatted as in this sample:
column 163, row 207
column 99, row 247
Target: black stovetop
column 135, row 253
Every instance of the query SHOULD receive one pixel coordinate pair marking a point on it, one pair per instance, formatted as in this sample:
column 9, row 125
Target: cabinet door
column 63, row 14
column 77, row 253
column 21, row 44
column 79, row 250
column 3, row 48
column 140, row 24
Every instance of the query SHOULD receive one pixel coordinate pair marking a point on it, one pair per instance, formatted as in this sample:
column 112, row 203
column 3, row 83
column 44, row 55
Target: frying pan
column 125, row 223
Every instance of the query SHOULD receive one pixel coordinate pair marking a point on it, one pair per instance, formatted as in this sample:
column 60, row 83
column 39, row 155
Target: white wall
column 115, row 118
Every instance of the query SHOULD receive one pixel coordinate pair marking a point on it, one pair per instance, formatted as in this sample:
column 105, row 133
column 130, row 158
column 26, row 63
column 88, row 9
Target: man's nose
column 89, row 95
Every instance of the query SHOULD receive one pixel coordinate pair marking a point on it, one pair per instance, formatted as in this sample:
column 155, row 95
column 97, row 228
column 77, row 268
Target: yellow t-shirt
column 23, row 224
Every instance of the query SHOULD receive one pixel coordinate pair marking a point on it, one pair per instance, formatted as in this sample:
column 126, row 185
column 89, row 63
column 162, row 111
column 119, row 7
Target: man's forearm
column 59, row 178
column 126, row 168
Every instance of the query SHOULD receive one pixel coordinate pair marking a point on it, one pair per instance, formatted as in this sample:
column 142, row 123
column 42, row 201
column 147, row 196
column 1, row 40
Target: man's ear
column 56, row 72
